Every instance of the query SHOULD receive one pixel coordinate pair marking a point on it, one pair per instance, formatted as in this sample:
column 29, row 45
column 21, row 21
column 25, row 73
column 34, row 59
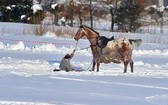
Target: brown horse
column 116, row 51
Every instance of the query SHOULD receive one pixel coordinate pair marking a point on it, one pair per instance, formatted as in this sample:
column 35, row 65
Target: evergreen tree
column 127, row 16
column 120, row 18
column 12, row 10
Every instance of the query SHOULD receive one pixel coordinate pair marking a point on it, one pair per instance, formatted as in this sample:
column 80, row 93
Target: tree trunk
column 161, row 26
column 112, row 20
column 113, row 11
column 80, row 18
column 91, row 16
column 72, row 12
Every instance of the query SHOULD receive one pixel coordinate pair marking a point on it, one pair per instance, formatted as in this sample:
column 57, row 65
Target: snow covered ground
column 26, row 76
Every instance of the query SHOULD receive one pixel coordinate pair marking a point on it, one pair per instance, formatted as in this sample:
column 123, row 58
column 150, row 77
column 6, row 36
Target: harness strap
column 92, row 45
column 96, row 39
column 76, row 44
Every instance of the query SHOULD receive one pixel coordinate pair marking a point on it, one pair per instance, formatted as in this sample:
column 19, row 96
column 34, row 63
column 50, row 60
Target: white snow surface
column 36, row 8
column 54, row 5
column 9, row 8
column 26, row 76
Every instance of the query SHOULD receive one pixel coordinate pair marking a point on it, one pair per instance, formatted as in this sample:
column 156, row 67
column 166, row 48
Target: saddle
column 102, row 41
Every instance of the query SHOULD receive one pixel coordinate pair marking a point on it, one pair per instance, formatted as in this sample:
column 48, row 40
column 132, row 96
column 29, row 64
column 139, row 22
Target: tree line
column 125, row 13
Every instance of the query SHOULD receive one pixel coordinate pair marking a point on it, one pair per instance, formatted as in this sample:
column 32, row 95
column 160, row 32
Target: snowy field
column 26, row 76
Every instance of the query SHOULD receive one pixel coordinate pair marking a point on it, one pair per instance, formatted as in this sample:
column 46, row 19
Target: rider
column 65, row 63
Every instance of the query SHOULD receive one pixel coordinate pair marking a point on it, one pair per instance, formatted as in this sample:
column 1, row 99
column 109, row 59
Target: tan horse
column 116, row 51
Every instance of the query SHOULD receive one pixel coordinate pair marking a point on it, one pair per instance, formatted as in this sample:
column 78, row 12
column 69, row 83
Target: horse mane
column 82, row 26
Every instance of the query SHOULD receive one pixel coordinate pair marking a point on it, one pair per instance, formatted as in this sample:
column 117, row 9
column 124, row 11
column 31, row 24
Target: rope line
column 82, row 49
column 42, row 42
column 38, row 42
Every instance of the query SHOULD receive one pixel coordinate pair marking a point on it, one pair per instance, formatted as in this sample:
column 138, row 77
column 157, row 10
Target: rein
column 76, row 44
column 96, row 39
column 83, row 49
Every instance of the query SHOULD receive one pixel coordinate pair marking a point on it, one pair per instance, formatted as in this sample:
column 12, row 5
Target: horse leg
column 93, row 67
column 98, row 64
column 131, row 65
column 125, row 66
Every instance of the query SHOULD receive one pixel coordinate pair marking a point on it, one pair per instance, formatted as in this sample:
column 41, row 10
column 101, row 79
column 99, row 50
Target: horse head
column 85, row 31
column 80, row 33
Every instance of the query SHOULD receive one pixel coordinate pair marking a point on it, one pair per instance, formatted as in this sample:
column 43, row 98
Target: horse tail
column 112, row 38
column 135, row 42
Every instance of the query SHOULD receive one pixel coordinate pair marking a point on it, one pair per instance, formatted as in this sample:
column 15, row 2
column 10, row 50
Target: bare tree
column 71, row 4
column 113, row 10
column 156, row 14
column 91, row 16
